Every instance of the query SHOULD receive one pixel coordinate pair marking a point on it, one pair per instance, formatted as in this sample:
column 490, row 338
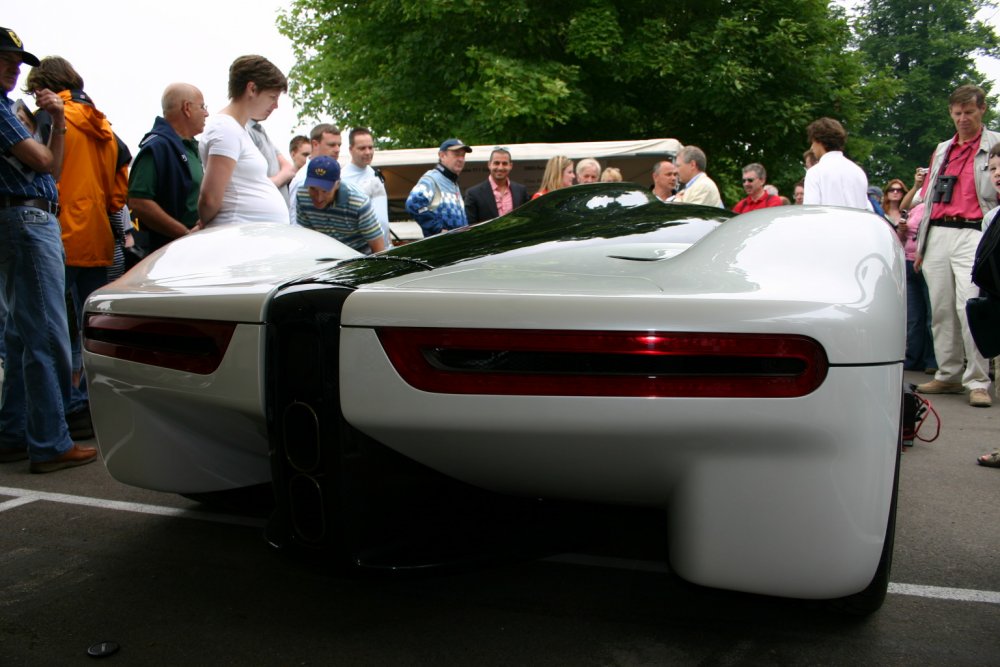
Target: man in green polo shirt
column 166, row 174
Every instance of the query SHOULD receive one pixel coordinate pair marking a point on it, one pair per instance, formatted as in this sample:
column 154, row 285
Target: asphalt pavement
column 155, row 579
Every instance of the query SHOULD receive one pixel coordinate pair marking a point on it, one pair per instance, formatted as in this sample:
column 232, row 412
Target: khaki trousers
column 947, row 268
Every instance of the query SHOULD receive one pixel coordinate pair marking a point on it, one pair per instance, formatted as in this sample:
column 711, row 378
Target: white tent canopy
column 402, row 168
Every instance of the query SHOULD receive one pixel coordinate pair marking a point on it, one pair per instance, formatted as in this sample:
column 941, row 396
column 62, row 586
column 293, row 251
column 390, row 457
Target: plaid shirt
column 16, row 179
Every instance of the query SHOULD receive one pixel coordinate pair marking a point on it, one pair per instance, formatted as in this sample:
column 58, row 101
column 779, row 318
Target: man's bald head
column 184, row 108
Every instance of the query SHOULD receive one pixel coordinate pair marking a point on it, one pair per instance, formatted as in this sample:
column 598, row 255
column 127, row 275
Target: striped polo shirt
column 349, row 218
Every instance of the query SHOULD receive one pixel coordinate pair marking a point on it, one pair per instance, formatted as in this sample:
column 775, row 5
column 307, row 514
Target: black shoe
column 80, row 425
column 13, row 454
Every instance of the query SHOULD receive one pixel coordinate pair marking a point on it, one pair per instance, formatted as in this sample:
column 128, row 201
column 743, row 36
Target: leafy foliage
column 739, row 79
column 924, row 50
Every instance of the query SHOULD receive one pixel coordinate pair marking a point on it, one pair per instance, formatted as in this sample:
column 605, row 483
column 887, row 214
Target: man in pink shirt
column 957, row 193
column 497, row 195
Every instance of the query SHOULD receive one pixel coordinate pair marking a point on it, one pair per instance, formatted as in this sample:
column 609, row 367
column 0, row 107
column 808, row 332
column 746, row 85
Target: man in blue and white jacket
column 435, row 202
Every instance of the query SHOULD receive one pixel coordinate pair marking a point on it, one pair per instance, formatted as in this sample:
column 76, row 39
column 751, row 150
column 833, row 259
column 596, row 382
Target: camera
column 943, row 187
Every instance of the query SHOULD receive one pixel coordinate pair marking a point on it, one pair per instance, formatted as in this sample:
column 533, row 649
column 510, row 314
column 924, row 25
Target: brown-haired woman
column 236, row 188
column 892, row 199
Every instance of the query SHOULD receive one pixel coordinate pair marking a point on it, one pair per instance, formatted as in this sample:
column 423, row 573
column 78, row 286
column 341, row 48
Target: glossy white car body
column 213, row 423
column 787, row 495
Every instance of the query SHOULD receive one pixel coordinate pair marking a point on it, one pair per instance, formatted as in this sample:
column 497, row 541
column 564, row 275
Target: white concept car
column 743, row 374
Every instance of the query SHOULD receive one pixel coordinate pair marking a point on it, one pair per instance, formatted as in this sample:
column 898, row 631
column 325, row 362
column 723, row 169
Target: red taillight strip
column 192, row 346
column 410, row 351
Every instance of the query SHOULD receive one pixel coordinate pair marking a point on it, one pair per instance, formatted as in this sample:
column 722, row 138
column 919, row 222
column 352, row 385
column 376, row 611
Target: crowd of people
column 69, row 191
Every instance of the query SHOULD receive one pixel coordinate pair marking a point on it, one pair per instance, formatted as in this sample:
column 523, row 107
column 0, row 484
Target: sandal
column 990, row 460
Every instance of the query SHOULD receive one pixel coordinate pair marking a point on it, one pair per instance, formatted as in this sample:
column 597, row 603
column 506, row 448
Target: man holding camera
column 958, row 192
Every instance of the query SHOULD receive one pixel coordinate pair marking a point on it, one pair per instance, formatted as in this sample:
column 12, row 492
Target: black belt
column 956, row 222
column 44, row 204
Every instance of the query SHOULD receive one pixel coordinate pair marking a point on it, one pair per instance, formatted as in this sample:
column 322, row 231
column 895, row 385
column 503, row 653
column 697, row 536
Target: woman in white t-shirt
column 235, row 188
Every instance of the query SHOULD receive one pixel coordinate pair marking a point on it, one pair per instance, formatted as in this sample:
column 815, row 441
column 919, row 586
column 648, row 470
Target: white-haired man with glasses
column 165, row 178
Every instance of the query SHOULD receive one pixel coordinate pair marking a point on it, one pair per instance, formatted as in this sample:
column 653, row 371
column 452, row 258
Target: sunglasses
column 895, row 190
column 749, row 180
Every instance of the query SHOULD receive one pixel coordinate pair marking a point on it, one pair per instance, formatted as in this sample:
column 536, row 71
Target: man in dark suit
column 497, row 195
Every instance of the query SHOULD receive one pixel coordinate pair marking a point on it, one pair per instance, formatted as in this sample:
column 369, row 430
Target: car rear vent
column 192, row 346
column 301, row 437
column 308, row 518
column 595, row 363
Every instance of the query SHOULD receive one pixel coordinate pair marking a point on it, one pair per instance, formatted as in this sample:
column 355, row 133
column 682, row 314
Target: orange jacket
column 89, row 187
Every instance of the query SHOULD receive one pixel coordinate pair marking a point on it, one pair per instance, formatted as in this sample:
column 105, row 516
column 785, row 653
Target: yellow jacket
column 90, row 187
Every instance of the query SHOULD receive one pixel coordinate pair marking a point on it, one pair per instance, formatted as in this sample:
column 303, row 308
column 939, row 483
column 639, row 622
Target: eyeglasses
column 202, row 106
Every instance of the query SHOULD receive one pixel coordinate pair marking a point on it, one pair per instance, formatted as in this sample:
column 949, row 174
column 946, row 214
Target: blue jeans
column 81, row 281
column 919, row 342
column 3, row 324
column 38, row 375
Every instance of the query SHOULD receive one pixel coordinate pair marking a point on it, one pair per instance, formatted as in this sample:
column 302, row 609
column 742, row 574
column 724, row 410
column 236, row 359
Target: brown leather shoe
column 77, row 456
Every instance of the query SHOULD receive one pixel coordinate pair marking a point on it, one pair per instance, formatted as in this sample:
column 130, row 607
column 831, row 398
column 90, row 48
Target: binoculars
column 943, row 188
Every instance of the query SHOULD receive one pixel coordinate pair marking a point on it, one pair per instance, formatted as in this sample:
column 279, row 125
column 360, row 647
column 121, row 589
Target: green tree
column 740, row 79
column 925, row 50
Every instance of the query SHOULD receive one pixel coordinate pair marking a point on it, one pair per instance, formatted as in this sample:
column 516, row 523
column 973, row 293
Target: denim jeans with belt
column 38, row 375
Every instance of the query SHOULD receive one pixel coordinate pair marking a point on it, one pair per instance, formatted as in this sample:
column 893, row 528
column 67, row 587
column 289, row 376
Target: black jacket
column 480, row 205
column 174, row 176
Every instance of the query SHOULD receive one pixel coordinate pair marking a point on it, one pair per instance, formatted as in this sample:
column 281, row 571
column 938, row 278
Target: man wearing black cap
column 32, row 282
column 332, row 207
column 435, row 202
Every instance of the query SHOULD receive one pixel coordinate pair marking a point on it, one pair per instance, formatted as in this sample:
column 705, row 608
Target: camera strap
column 969, row 149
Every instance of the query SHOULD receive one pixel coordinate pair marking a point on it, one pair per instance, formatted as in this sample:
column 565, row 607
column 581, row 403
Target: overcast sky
column 128, row 51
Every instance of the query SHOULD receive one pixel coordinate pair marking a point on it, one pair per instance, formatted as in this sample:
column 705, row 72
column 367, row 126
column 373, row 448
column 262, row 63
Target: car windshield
column 592, row 214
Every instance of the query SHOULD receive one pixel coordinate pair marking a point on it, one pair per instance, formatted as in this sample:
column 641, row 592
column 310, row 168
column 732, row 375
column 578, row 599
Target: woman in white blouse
column 235, row 188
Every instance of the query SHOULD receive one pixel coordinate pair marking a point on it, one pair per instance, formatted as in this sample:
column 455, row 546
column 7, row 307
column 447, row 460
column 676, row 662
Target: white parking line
column 914, row 590
column 960, row 594
column 16, row 502
column 23, row 496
